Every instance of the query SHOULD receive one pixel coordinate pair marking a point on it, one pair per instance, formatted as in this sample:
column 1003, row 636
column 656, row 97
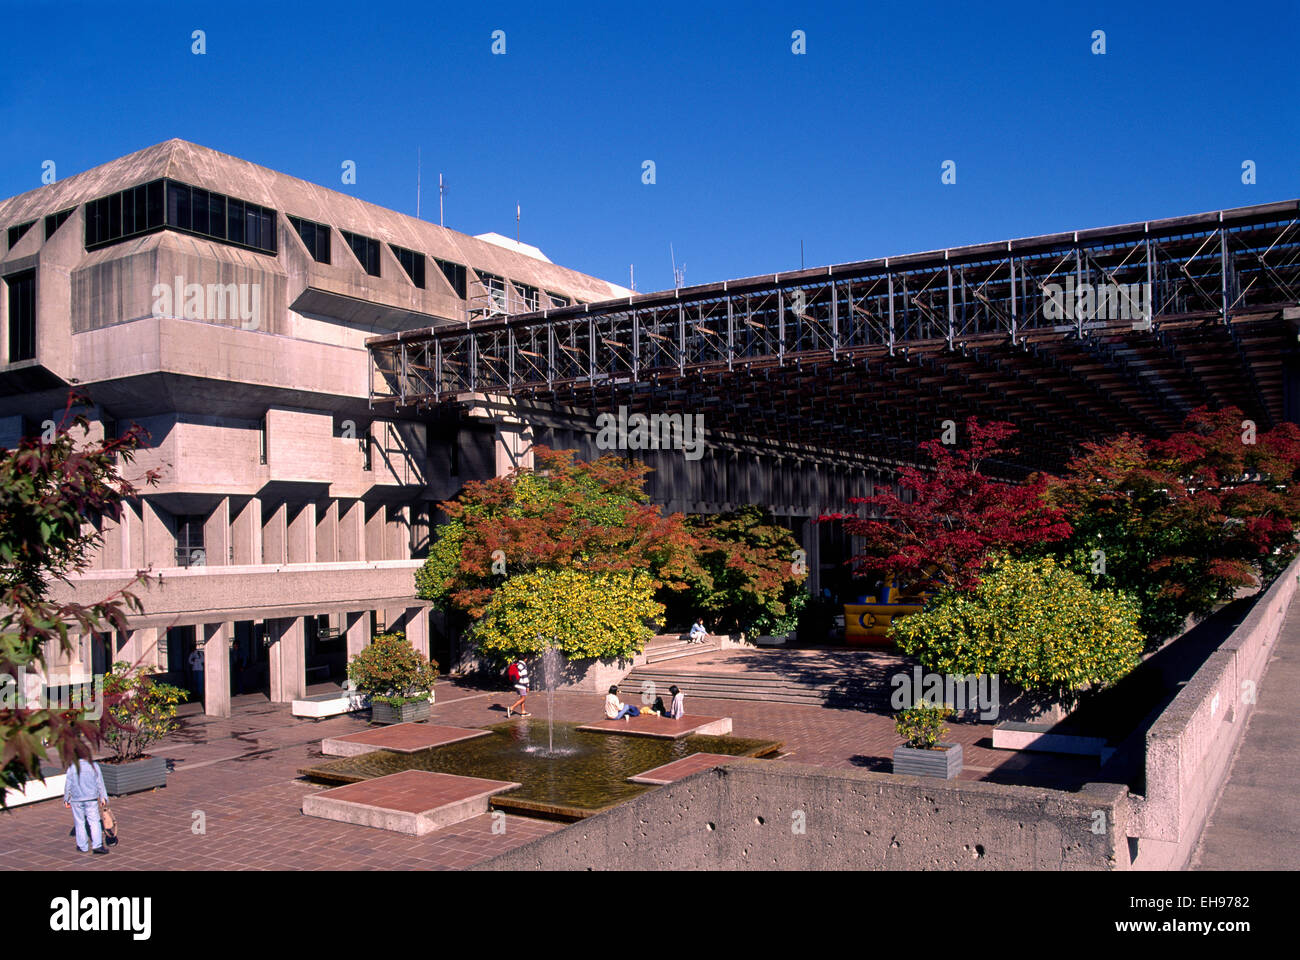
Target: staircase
column 673, row 646
column 849, row 692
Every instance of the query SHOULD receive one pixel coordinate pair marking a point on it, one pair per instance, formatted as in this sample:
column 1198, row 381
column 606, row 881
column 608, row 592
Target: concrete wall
column 1190, row 747
column 772, row 815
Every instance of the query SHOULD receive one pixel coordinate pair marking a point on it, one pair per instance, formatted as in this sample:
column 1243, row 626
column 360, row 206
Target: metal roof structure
column 1071, row 336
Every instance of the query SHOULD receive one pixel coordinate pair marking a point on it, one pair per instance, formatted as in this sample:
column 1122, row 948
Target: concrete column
column 288, row 659
column 216, row 535
column 246, row 532
column 513, row 445
column 275, row 535
column 141, row 648
column 131, row 536
column 417, row 629
column 398, row 533
column 159, row 542
column 300, row 535
column 357, row 626
column 327, row 532
column 352, row 531
column 376, row 534
column 813, row 545
column 216, row 669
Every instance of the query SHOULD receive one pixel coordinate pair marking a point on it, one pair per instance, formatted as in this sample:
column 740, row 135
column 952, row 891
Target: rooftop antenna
column 801, row 253
column 516, row 223
column 442, row 188
column 679, row 275
column 417, row 183
column 631, row 272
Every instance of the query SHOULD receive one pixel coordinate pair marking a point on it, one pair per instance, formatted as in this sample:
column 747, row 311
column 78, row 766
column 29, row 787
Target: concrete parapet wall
column 1189, row 748
column 773, row 815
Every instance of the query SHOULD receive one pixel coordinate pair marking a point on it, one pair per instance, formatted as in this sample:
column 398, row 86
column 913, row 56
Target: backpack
column 513, row 673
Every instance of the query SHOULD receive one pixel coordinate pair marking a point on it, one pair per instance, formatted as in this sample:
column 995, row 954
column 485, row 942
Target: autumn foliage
column 941, row 523
column 1184, row 521
column 49, row 486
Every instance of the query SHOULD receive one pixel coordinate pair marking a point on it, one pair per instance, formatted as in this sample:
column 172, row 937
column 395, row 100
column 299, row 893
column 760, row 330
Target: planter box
column 944, row 763
column 330, row 704
column 406, row 713
column 134, row 776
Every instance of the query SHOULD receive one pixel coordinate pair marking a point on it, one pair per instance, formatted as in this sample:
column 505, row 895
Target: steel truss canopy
column 1071, row 336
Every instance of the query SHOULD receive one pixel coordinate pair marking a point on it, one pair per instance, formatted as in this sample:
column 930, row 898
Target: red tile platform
column 649, row 725
column 400, row 738
column 672, row 772
column 414, row 802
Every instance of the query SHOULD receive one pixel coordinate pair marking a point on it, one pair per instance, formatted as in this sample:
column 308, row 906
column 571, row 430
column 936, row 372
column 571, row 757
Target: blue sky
column 755, row 148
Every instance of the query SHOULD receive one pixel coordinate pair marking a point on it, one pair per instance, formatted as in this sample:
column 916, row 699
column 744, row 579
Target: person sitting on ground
column 615, row 709
column 698, row 632
column 659, row 707
column 678, row 709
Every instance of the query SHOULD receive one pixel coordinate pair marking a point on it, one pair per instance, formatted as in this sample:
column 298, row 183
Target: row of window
column 316, row 238
column 52, row 223
column 166, row 203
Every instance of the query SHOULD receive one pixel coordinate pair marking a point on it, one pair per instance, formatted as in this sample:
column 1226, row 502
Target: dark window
column 55, row 220
column 22, row 316
column 366, row 250
column 455, row 275
column 412, row 263
column 235, row 221
column 16, row 233
column 178, row 206
column 165, row 203
column 367, row 460
column 528, row 295
column 494, row 288
column 557, row 300
column 261, row 441
column 199, row 211
column 189, row 542
column 315, row 237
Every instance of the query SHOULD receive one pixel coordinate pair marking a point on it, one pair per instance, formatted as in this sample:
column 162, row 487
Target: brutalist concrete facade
column 290, row 517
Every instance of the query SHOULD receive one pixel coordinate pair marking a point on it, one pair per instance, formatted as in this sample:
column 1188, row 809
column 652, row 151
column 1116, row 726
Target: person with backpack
column 519, row 677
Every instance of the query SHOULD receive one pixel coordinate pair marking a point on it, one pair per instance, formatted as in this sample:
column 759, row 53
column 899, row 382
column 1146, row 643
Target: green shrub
column 922, row 726
column 581, row 614
column 139, row 710
column 1034, row 623
column 391, row 671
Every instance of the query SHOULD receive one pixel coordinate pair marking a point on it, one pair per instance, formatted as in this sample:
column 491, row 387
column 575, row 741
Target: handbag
column 110, row 826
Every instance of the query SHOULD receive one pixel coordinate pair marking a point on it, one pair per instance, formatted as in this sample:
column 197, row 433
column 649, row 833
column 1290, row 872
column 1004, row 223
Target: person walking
column 236, row 670
column 84, row 794
column 519, row 677
column 196, row 669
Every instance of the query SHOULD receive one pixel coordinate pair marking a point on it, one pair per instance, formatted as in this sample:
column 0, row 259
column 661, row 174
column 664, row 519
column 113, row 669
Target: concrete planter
column 406, row 713
column 134, row 775
column 944, row 763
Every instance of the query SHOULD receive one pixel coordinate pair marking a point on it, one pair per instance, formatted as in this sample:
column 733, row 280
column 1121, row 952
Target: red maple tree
column 942, row 521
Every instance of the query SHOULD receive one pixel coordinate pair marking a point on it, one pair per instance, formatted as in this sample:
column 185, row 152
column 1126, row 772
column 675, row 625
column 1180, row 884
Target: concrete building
column 225, row 307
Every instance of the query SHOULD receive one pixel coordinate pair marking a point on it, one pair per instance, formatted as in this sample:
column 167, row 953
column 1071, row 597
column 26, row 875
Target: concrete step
column 769, row 688
column 678, row 650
